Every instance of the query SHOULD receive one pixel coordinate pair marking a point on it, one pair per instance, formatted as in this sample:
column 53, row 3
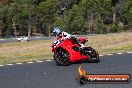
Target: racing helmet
column 56, row 31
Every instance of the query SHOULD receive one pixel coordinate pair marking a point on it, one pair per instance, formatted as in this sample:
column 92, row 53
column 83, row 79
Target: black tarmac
column 48, row 75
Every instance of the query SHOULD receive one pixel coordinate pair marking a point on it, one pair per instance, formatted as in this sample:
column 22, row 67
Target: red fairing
column 73, row 50
column 52, row 47
column 68, row 46
column 82, row 40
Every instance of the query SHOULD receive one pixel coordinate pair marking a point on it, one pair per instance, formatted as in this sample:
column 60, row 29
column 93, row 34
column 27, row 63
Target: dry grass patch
column 25, row 51
column 111, row 43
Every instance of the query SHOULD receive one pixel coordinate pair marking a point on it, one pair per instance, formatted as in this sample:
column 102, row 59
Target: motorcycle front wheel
column 62, row 57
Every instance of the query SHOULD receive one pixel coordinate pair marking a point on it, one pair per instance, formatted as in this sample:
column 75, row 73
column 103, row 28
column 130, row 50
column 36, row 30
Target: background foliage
column 37, row 17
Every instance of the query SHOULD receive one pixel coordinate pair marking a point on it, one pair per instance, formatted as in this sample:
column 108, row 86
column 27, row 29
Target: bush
column 115, row 27
column 100, row 27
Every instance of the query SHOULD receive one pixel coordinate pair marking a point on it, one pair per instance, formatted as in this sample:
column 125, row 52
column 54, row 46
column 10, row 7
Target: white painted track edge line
column 51, row 59
column 10, row 64
column 101, row 55
column 29, row 62
column 18, row 63
column 39, row 61
column 119, row 53
column 1, row 65
column 48, row 60
column 129, row 52
column 109, row 54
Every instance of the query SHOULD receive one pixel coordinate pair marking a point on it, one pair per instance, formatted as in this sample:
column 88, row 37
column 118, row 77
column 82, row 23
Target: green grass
column 40, row 50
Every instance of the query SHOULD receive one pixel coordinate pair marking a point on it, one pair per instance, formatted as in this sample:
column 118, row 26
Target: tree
column 94, row 10
column 47, row 11
column 59, row 22
column 4, row 19
column 13, row 13
column 74, row 19
column 22, row 17
column 127, row 11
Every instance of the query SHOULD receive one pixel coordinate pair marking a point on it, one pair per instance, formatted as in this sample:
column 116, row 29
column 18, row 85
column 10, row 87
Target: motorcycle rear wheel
column 93, row 55
column 62, row 57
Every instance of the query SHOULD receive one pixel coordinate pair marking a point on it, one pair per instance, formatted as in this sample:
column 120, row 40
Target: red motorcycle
column 68, row 51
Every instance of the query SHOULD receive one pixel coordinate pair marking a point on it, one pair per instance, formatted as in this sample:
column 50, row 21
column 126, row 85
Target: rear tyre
column 93, row 55
column 62, row 57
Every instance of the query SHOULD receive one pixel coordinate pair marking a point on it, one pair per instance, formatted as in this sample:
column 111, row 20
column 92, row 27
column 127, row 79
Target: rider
column 61, row 35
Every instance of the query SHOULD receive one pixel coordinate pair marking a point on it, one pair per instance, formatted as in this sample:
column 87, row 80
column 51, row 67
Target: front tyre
column 62, row 57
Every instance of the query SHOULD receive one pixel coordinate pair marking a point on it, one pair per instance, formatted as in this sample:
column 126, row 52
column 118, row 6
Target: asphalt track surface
column 48, row 75
column 2, row 41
